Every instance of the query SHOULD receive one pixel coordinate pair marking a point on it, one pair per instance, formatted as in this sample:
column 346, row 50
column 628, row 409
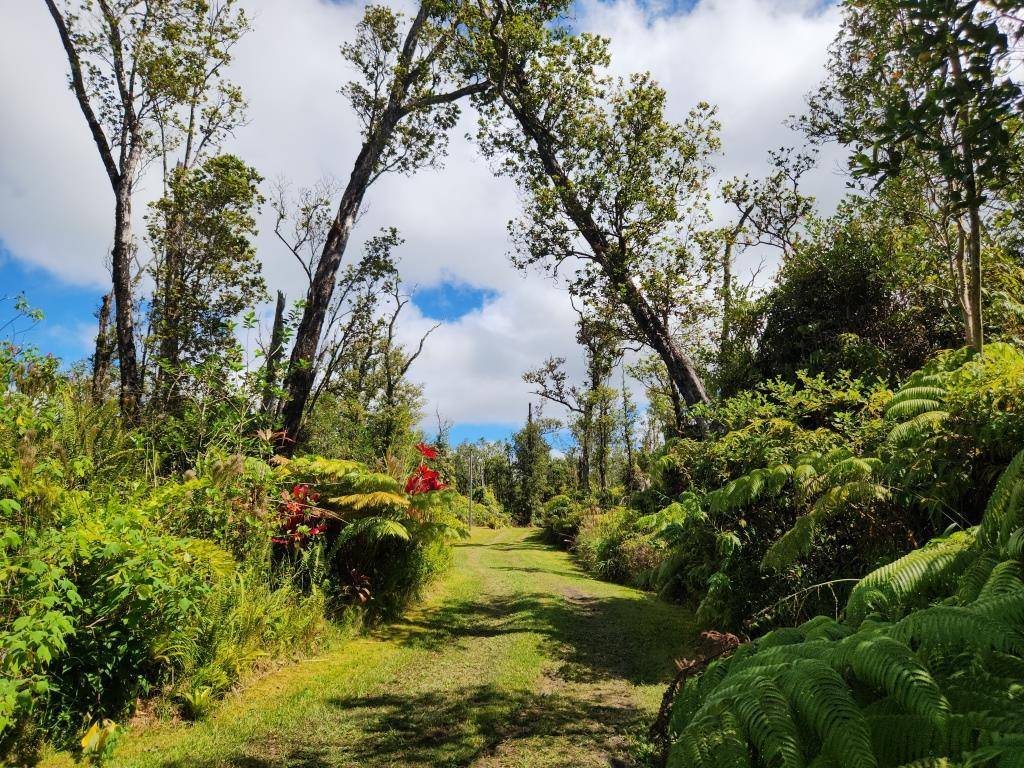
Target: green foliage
column 119, row 583
column 860, row 292
column 380, row 546
column 561, row 518
column 609, row 545
column 925, row 666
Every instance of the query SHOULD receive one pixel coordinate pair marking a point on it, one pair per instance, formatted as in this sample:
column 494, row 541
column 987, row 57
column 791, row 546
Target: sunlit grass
column 514, row 659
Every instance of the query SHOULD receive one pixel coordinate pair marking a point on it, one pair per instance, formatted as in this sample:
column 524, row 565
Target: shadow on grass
column 590, row 639
column 632, row 637
column 455, row 728
column 636, row 640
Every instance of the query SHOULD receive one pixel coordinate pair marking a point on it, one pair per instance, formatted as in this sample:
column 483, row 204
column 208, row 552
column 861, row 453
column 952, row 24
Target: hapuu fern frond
column 924, row 671
column 916, row 427
column 372, row 500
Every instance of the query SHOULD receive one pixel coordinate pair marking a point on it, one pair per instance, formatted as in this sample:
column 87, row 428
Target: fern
column 370, row 500
column 924, row 671
column 913, row 579
column 798, row 539
column 374, row 530
column 917, row 427
column 1004, row 513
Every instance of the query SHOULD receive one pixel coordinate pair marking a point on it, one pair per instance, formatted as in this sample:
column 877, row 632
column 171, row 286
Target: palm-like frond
column 374, row 529
column 371, row 500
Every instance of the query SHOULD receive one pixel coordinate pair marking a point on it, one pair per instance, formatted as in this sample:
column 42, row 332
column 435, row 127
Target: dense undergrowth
column 775, row 519
column 120, row 583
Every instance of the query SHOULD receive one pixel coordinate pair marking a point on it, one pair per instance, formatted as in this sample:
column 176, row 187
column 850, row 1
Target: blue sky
column 450, row 300
column 68, row 309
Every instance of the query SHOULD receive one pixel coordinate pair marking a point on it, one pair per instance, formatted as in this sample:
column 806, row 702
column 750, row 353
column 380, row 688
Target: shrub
column 609, row 546
column 925, row 669
column 560, row 519
column 814, row 485
column 362, row 536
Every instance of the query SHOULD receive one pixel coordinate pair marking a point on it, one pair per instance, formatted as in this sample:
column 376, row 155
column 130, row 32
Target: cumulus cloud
column 755, row 59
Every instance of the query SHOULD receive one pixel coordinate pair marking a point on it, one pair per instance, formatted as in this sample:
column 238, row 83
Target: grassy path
column 515, row 658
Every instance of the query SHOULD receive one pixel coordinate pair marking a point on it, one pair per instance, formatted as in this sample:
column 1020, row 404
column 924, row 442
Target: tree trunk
column 121, row 256
column 627, row 435
column 658, row 336
column 169, row 330
column 681, row 369
column 274, row 355
column 677, row 408
column 723, row 347
column 975, row 327
column 301, row 369
column 603, row 438
column 586, row 424
column 104, row 350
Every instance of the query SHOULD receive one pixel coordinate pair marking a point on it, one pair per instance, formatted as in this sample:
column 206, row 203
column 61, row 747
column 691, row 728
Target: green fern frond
column 888, row 665
column 1007, row 608
column 912, row 579
column 906, row 409
column 374, row 529
column 1004, row 513
column 916, row 427
column 763, row 713
column 369, row 482
column 791, row 545
column 917, row 392
column 373, row 500
column 798, row 539
column 1004, row 579
column 955, row 627
column 331, row 469
column 821, row 698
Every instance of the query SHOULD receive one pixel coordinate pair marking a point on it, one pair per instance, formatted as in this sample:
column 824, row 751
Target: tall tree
column 405, row 98
column 531, row 456
column 132, row 63
column 612, row 187
column 207, row 222
column 584, row 403
column 924, row 86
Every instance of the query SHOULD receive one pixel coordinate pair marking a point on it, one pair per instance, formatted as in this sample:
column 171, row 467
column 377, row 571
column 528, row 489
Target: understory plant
column 925, row 668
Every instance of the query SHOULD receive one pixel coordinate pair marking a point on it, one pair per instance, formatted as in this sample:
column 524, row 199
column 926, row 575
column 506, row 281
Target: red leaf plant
column 300, row 518
column 427, row 451
column 424, row 480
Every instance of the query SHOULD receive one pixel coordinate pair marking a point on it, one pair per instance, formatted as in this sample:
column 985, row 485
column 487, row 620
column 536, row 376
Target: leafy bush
column 609, row 546
column 487, row 510
column 361, row 536
column 560, row 519
column 925, row 669
column 812, row 485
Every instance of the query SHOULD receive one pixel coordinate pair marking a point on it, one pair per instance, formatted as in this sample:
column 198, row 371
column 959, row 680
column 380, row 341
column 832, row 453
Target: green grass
column 515, row 658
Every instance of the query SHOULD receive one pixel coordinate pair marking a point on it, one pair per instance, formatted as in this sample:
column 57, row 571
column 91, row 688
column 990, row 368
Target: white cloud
column 754, row 58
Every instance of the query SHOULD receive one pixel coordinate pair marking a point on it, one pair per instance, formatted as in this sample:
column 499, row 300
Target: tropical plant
column 924, row 670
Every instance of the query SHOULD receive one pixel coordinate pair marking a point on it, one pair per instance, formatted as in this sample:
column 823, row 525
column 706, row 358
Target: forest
column 777, row 520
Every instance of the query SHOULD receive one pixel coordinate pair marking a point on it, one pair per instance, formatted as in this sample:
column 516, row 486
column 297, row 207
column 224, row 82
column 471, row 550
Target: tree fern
column 914, row 429
column 1004, row 514
column 369, row 500
column 374, row 529
column 924, row 671
column 912, row 579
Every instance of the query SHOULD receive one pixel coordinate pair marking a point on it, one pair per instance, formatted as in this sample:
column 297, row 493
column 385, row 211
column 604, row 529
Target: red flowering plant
column 423, row 486
column 301, row 520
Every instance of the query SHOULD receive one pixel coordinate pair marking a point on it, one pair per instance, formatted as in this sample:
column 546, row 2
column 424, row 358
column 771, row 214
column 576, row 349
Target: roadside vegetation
column 820, row 470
